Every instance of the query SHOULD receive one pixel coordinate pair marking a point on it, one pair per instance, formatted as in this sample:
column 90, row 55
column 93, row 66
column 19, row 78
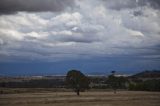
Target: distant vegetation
column 144, row 81
column 35, row 83
column 148, row 85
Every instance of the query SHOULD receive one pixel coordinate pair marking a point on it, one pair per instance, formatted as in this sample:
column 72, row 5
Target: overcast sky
column 89, row 35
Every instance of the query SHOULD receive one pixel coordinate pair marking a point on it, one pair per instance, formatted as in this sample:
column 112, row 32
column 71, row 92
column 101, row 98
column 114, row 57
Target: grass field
column 94, row 98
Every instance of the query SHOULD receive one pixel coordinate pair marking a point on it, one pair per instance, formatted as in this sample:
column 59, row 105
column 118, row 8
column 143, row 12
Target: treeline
column 108, row 82
column 38, row 83
column 148, row 85
column 96, row 83
column 138, row 82
column 127, row 84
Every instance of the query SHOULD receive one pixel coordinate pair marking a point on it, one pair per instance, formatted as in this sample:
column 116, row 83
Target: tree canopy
column 77, row 81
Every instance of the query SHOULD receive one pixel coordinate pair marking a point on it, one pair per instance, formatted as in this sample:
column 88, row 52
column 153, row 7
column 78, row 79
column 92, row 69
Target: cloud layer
column 12, row 6
column 54, row 30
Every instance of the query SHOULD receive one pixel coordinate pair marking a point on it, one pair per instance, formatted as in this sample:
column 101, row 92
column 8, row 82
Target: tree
column 113, row 81
column 117, row 82
column 77, row 81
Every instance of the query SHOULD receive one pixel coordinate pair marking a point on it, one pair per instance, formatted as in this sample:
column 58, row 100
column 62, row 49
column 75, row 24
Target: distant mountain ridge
column 147, row 74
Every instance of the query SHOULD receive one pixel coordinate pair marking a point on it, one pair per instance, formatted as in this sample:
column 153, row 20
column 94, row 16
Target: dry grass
column 122, row 98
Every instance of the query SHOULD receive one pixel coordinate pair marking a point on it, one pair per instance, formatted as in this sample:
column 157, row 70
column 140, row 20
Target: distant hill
column 147, row 74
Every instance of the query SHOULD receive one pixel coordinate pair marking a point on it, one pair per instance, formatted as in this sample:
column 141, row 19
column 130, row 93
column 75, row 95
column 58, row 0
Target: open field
column 94, row 98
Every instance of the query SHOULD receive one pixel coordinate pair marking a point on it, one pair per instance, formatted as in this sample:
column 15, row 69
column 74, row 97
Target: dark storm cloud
column 137, row 13
column 12, row 6
column 130, row 4
column 124, row 4
column 80, row 39
column 155, row 3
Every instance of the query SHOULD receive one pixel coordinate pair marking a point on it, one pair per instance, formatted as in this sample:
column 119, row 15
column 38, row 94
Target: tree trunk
column 115, row 91
column 78, row 92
